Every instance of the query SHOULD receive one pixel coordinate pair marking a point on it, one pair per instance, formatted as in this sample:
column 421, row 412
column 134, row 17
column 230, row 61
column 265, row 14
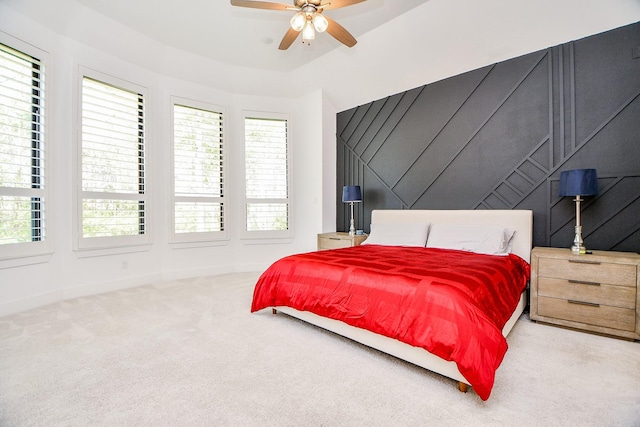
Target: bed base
column 415, row 355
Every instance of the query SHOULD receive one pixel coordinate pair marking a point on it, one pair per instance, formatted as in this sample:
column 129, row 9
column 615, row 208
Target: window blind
column 112, row 161
column 266, row 174
column 22, row 149
column 198, row 170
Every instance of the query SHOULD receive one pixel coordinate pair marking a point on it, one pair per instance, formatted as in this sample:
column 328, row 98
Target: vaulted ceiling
column 215, row 29
column 402, row 44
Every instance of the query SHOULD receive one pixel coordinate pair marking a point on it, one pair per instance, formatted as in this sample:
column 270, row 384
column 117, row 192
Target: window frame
column 262, row 235
column 87, row 246
column 202, row 237
column 35, row 251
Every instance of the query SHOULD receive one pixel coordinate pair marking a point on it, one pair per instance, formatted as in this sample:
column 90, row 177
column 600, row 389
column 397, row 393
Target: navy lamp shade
column 351, row 194
column 578, row 182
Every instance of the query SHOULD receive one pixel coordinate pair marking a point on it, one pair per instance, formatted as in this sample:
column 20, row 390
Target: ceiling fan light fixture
column 320, row 23
column 298, row 21
column 308, row 33
column 307, row 19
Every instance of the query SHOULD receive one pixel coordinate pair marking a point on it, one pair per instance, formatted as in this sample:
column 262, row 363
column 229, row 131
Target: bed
column 437, row 288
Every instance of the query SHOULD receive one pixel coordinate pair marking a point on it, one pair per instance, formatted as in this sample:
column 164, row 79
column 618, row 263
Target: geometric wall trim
column 499, row 136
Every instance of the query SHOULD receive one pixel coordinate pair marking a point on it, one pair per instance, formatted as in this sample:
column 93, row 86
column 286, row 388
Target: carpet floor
column 189, row 353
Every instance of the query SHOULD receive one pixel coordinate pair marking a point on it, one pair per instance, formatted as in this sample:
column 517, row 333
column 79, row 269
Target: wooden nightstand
column 595, row 292
column 339, row 240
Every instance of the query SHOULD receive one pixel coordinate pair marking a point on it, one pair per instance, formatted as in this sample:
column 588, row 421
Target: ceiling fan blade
column 340, row 33
column 288, row 39
column 261, row 5
column 336, row 4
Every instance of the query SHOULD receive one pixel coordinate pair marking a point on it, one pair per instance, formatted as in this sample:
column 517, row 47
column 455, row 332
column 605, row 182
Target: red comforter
column 452, row 303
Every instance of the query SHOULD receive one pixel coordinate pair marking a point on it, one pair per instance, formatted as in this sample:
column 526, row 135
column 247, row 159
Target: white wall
column 329, row 163
column 67, row 273
column 438, row 39
column 444, row 38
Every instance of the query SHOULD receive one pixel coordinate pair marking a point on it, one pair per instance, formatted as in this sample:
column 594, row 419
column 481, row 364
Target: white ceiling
column 215, row 29
column 403, row 44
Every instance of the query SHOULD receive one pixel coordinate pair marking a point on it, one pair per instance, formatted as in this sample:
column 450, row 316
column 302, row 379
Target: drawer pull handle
column 584, row 261
column 590, row 304
column 334, row 238
column 581, row 282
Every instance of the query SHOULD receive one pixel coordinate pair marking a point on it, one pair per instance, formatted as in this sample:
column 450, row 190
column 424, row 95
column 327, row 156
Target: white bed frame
column 519, row 220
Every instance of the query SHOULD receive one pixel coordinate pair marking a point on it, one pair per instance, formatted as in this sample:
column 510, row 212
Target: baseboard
column 41, row 300
column 103, row 287
column 200, row 272
column 33, row 302
column 257, row 267
column 24, row 304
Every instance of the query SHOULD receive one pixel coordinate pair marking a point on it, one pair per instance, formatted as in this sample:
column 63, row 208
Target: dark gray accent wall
column 499, row 136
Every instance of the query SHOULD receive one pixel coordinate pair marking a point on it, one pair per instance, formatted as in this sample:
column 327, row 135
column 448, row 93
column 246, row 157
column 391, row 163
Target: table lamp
column 578, row 182
column 351, row 194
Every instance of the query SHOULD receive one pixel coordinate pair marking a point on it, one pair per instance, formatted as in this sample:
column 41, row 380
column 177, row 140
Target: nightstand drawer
column 339, row 240
column 595, row 293
column 598, row 315
column 333, row 243
column 588, row 271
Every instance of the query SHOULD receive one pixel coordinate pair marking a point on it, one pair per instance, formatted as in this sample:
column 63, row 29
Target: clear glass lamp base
column 578, row 245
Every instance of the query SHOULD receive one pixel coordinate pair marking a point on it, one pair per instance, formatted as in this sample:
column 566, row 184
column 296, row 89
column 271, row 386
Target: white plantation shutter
column 266, row 174
column 112, row 161
column 198, row 174
column 22, row 150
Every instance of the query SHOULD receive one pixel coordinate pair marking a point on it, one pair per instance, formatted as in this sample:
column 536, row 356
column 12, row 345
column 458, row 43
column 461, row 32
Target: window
column 113, row 202
column 198, row 172
column 266, row 152
column 22, row 155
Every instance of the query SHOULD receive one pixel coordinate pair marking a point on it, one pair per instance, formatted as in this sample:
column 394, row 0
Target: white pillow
column 484, row 239
column 398, row 234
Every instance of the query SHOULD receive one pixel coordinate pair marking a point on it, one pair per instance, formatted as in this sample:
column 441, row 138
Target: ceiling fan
column 308, row 19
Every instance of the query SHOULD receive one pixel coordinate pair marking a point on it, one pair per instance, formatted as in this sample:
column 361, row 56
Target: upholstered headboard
column 521, row 221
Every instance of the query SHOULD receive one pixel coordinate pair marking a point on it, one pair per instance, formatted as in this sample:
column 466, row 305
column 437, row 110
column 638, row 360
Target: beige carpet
column 189, row 353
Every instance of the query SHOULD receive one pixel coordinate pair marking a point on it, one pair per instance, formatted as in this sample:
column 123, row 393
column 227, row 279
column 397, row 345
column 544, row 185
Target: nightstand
column 595, row 292
column 339, row 240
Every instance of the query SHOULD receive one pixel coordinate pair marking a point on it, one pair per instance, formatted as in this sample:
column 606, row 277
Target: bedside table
column 595, row 292
column 339, row 240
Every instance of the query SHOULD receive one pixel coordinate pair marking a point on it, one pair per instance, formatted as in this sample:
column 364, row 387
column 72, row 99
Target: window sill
column 267, row 241
column 25, row 260
column 89, row 253
column 191, row 245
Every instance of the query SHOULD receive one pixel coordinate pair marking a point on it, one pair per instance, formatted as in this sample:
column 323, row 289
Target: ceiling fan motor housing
column 301, row 3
